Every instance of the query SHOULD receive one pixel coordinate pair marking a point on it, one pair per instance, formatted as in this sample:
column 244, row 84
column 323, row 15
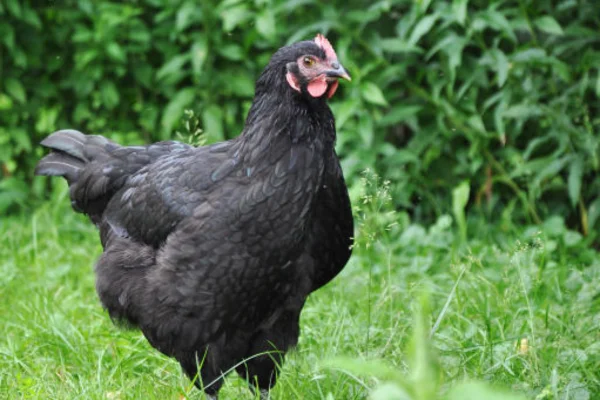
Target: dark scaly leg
column 272, row 343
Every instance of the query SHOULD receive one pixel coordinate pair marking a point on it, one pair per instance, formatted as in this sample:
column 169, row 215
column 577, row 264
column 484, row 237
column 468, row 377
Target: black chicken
column 212, row 251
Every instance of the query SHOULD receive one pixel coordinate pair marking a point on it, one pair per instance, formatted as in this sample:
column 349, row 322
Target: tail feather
column 68, row 141
column 80, row 159
column 96, row 167
column 60, row 164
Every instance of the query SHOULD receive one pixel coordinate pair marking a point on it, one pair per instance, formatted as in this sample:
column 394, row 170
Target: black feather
column 212, row 251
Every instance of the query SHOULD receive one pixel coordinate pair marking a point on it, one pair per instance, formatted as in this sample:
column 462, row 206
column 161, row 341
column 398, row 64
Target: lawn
column 515, row 307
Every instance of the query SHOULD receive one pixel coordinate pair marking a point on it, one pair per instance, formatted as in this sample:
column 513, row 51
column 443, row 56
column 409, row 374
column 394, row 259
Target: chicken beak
column 338, row 71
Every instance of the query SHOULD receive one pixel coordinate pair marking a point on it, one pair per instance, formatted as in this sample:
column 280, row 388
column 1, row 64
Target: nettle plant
column 501, row 95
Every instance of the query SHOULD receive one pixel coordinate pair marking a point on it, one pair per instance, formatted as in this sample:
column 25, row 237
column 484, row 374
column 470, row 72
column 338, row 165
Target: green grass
column 518, row 308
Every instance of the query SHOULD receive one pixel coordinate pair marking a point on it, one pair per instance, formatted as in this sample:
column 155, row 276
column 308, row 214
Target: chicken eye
column 309, row 62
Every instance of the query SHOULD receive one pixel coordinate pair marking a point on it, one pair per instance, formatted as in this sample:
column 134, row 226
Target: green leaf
column 373, row 94
column 549, row 25
column 399, row 113
column 498, row 21
column 185, row 16
column 15, row 89
column 366, row 131
column 531, row 55
column 116, row 52
column 6, row 102
column 575, row 180
column 232, row 52
column 46, row 119
column 235, row 16
column 110, row 94
column 422, row 28
column 199, row 52
column 174, row 110
column 459, row 8
column 265, row 24
column 22, row 140
column 593, row 212
column 241, row 84
column 212, row 123
column 398, row 46
column 460, row 197
column 549, row 171
column 31, row 17
column 502, row 66
column 173, row 66
column 523, row 111
column 345, row 109
column 13, row 7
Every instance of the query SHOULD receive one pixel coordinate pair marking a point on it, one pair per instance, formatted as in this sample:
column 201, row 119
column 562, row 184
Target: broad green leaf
column 549, row 25
column 15, row 89
column 399, row 113
column 110, row 95
column 572, row 238
column 265, row 24
column 422, row 28
column 459, row 8
column 232, row 52
column 373, row 94
column 240, row 84
column 397, row 46
column 199, row 52
column 548, row 172
column 575, row 180
column 345, row 109
column 173, row 66
column 593, row 213
column 212, row 123
column 185, row 16
column 523, row 111
column 366, row 131
column 116, row 52
column 476, row 122
column 46, row 119
column 30, row 16
column 453, row 50
column 460, row 197
column 598, row 84
column 12, row 191
column 423, row 5
column 498, row 21
column 502, row 66
column 174, row 110
column 531, row 55
column 22, row 140
column 234, row 16
column 6, row 102
column 14, row 7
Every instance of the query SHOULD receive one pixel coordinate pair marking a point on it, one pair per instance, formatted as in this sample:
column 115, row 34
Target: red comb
column 322, row 42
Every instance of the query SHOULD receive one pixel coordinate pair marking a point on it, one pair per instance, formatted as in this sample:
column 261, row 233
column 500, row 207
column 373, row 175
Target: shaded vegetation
column 482, row 117
column 501, row 95
column 514, row 307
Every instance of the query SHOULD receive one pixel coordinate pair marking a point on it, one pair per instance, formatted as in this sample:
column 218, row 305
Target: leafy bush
column 502, row 95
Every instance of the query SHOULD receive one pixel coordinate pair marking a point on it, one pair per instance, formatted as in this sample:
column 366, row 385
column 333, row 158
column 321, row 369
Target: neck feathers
column 278, row 110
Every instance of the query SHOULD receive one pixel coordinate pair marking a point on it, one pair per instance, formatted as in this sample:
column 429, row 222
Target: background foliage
column 494, row 103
